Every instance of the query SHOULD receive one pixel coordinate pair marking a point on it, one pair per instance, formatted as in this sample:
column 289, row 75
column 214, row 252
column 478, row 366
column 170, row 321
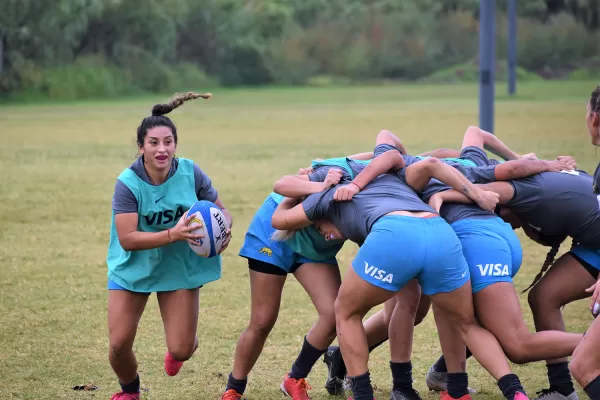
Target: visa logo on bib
column 493, row 270
column 378, row 274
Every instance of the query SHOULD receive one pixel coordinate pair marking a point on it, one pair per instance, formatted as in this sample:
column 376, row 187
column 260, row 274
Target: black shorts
column 266, row 268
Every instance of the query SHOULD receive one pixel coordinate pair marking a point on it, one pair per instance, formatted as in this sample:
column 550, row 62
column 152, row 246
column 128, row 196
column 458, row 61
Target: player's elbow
column 126, row 243
column 278, row 221
column 279, row 186
column 282, row 185
column 509, row 171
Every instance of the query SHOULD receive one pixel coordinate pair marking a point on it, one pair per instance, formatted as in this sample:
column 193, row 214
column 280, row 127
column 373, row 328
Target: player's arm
column 206, row 191
column 226, row 213
column 125, row 208
column 477, row 137
column 390, row 161
column 289, row 215
column 131, row 239
column 419, row 174
column 504, row 190
column 296, row 186
column 299, row 186
column 517, row 169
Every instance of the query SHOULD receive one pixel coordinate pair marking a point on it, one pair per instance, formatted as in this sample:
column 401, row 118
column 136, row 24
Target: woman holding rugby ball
column 148, row 250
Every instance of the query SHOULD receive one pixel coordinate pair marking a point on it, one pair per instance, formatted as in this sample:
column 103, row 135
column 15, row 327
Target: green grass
column 58, row 165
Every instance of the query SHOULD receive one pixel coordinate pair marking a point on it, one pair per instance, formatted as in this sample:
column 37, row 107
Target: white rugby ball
column 211, row 223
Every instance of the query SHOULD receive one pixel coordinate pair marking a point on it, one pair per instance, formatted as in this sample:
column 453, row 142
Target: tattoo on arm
column 464, row 189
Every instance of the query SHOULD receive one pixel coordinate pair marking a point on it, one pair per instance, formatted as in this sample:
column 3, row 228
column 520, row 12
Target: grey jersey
column 355, row 218
column 124, row 200
column 484, row 174
column 382, row 148
column 556, row 203
column 471, row 153
column 596, row 184
column 478, row 156
column 320, row 173
column 453, row 212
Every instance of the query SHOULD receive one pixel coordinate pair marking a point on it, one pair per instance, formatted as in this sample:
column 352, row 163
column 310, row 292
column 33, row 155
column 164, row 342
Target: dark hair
column 548, row 262
column 159, row 118
column 595, row 100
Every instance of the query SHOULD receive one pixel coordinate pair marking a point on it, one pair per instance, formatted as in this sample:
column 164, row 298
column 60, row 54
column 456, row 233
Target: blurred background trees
column 69, row 49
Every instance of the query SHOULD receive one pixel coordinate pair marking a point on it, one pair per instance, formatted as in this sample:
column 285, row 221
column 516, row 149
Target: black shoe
column 336, row 371
column 406, row 394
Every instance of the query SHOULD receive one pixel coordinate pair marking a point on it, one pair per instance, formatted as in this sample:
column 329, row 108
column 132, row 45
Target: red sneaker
column 445, row 396
column 295, row 388
column 231, row 394
column 172, row 366
column 125, row 396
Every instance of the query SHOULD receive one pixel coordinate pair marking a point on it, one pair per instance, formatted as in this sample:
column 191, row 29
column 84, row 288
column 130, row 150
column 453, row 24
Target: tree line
column 83, row 48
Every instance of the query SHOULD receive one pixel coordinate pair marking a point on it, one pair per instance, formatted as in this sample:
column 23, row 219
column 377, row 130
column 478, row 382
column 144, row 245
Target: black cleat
column 336, row 371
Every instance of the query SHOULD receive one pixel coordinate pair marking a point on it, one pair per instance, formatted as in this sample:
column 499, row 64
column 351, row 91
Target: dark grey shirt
column 382, row 148
column 320, row 173
column 485, row 174
column 124, row 200
column 453, row 212
column 478, row 156
column 596, row 184
column 449, row 211
column 355, row 218
column 557, row 203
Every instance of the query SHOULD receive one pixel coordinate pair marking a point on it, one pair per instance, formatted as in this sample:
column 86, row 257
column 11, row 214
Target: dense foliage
column 81, row 48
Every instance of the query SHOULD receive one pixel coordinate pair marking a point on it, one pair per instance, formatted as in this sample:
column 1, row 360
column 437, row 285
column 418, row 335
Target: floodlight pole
column 512, row 47
column 487, row 55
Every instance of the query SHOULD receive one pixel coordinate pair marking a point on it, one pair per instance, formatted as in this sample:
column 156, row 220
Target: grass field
column 58, row 165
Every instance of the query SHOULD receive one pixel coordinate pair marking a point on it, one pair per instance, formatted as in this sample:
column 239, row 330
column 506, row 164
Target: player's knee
column 431, row 163
column 262, row 324
column 327, row 314
column 120, row 347
column 183, row 350
column 578, row 366
column 342, row 311
column 534, row 299
column 517, row 352
column 540, row 298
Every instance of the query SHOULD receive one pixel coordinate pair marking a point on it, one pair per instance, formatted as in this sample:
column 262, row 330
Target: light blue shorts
column 259, row 246
column 491, row 248
column 401, row 248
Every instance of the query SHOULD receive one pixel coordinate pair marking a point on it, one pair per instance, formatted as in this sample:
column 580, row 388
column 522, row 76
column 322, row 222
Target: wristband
column 169, row 235
column 356, row 184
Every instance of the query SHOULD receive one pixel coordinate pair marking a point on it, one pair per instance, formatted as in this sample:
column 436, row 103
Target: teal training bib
column 341, row 162
column 462, row 161
column 309, row 243
column 170, row 267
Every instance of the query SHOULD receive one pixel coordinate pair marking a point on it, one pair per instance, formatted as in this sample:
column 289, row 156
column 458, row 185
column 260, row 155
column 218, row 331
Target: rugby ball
column 211, row 223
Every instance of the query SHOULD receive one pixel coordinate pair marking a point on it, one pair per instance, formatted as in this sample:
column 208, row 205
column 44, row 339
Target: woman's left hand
column 226, row 240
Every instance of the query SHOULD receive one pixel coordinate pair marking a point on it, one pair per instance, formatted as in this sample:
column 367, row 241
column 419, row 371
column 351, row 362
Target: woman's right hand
column 436, row 201
column 488, row 200
column 182, row 231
